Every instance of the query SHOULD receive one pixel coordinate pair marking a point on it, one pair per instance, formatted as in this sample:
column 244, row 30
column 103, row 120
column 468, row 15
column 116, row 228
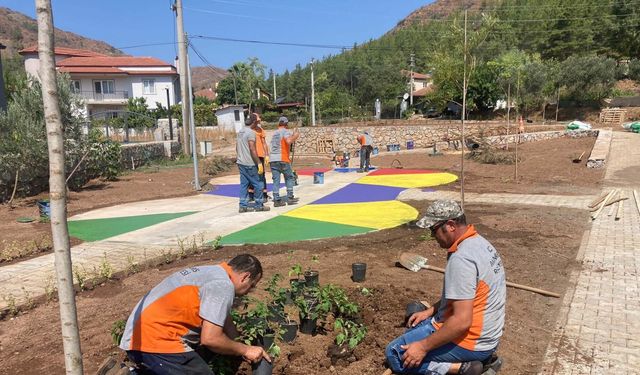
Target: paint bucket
column 318, row 177
column 376, row 150
column 410, row 145
column 44, row 208
column 396, row 147
column 358, row 272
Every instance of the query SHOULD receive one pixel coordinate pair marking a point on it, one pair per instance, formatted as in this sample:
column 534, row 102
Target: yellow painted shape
column 410, row 180
column 375, row 215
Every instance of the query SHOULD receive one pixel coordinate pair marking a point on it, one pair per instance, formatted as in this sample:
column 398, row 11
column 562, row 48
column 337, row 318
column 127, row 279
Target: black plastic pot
column 267, row 340
column 311, row 278
column 358, row 272
column 308, row 326
column 412, row 308
column 290, row 331
column 262, row 368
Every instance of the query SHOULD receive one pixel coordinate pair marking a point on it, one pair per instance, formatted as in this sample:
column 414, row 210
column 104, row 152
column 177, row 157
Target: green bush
column 24, row 149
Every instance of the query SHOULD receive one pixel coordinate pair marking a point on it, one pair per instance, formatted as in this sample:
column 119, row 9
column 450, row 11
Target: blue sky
column 140, row 22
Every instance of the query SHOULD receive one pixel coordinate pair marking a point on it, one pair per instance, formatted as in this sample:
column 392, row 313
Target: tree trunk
column 57, row 190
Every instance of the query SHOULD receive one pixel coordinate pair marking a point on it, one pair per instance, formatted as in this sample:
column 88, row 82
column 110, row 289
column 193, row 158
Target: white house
column 230, row 117
column 107, row 82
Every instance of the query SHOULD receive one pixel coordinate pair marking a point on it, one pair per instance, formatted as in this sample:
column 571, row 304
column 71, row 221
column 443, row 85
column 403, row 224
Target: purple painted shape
column 346, row 170
column 357, row 193
column 233, row 190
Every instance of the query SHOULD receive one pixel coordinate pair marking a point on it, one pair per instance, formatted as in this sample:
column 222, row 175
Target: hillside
column 439, row 9
column 18, row 31
column 203, row 77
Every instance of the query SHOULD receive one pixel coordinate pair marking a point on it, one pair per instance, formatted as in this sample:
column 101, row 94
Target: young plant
column 296, row 270
column 105, row 269
column 252, row 324
column 278, row 294
column 349, row 332
column 333, row 299
column 117, row 330
column 307, row 308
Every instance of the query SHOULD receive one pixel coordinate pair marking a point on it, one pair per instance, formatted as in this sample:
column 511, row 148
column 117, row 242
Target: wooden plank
column 611, row 202
column 597, row 201
column 635, row 195
column 595, row 216
column 619, row 210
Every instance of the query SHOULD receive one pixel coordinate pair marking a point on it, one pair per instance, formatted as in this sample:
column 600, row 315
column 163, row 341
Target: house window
column 75, row 87
column 104, row 87
column 148, row 86
column 236, row 115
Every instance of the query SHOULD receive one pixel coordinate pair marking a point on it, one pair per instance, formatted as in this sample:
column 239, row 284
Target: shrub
column 217, row 164
column 117, row 330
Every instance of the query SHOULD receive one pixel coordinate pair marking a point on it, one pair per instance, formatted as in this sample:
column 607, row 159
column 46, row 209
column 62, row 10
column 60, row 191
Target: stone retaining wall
column 326, row 140
column 138, row 154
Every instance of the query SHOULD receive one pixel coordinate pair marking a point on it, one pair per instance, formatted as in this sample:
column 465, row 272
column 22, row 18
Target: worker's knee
column 393, row 355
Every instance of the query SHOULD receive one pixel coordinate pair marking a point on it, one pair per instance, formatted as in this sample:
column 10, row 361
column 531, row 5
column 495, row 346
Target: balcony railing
column 99, row 97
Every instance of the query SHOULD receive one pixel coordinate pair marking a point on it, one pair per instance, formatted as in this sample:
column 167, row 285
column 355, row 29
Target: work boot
column 360, row 170
column 245, row 209
column 471, row 368
column 292, row 200
column 279, row 203
column 492, row 365
column 252, row 198
column 262, row 208
column 266, row 197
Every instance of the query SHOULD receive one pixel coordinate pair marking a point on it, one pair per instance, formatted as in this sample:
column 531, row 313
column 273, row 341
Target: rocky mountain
column 441, row 9
column 19, row 31
column 204, row 77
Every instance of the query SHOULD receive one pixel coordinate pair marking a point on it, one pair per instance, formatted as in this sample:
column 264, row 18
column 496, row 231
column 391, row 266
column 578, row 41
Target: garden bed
column 536, row 250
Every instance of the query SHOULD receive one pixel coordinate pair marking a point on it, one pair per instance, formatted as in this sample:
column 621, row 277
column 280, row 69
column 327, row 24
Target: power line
column 290, row 44
column 149, row 45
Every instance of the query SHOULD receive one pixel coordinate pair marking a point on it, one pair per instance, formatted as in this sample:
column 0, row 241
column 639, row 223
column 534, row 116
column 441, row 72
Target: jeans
column 263, row 177
column 249, row 175
column 437, row 361
column 365, row 155
column 169, row 364
column 277, row 168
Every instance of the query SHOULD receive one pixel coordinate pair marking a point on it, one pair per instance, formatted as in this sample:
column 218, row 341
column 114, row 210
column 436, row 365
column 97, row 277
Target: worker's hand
column 254, row 354
column 414, row 354
column 260, row 169
column 418, row 317
column 266, row 160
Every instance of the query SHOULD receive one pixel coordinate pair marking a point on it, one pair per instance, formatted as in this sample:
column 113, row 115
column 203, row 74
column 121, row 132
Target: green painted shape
column 282, row 229
column 100, row 229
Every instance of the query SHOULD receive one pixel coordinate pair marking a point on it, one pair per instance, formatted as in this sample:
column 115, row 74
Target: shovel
column 415, row 262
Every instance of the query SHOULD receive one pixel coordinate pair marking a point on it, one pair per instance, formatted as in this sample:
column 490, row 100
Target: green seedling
column 349, row 332
column 117, row 330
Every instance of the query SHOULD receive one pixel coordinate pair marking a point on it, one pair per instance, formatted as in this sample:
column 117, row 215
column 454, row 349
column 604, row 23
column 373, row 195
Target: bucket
column 410, row 145
column 376, row 150
column 44, row 208
column 412, row 308
column 318, row 177
column 262, row 368
column 358, row 272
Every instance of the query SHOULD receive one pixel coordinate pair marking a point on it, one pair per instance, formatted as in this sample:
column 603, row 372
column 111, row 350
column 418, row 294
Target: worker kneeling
column 460, row 333
column 189, row 309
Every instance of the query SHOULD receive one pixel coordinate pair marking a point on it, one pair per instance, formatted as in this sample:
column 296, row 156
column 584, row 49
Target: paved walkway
column 598, row 330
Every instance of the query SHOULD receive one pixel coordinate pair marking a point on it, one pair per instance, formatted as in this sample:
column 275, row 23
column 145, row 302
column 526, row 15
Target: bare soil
column 535, row 250
column 545, row 167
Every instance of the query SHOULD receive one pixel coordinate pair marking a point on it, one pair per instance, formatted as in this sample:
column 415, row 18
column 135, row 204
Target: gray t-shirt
column 243, row 151
column 475, row 272
column 168, row 319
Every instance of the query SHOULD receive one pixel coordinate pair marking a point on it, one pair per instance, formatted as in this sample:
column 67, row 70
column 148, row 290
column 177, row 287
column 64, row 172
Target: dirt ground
column 545, row 167
column 535, row 250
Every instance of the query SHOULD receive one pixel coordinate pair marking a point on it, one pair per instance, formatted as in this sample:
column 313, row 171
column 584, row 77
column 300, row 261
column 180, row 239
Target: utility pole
column 275, row 93
column 413, row 64
column 3, row 97
column 235, row 88
column 313, row 98
column 464, row 111
column 169, row 115
column 186, row 95
column 196, row 179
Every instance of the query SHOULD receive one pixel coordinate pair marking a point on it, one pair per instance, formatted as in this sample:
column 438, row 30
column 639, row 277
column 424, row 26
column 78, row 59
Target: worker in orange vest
column 365, row 141
column 262, row 148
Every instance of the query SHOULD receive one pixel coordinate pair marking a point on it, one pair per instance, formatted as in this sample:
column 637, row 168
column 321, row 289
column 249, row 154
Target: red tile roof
column 64, row 51
column 416, row 75
column 91, row 69
column 423, row 91
column 117, row 61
